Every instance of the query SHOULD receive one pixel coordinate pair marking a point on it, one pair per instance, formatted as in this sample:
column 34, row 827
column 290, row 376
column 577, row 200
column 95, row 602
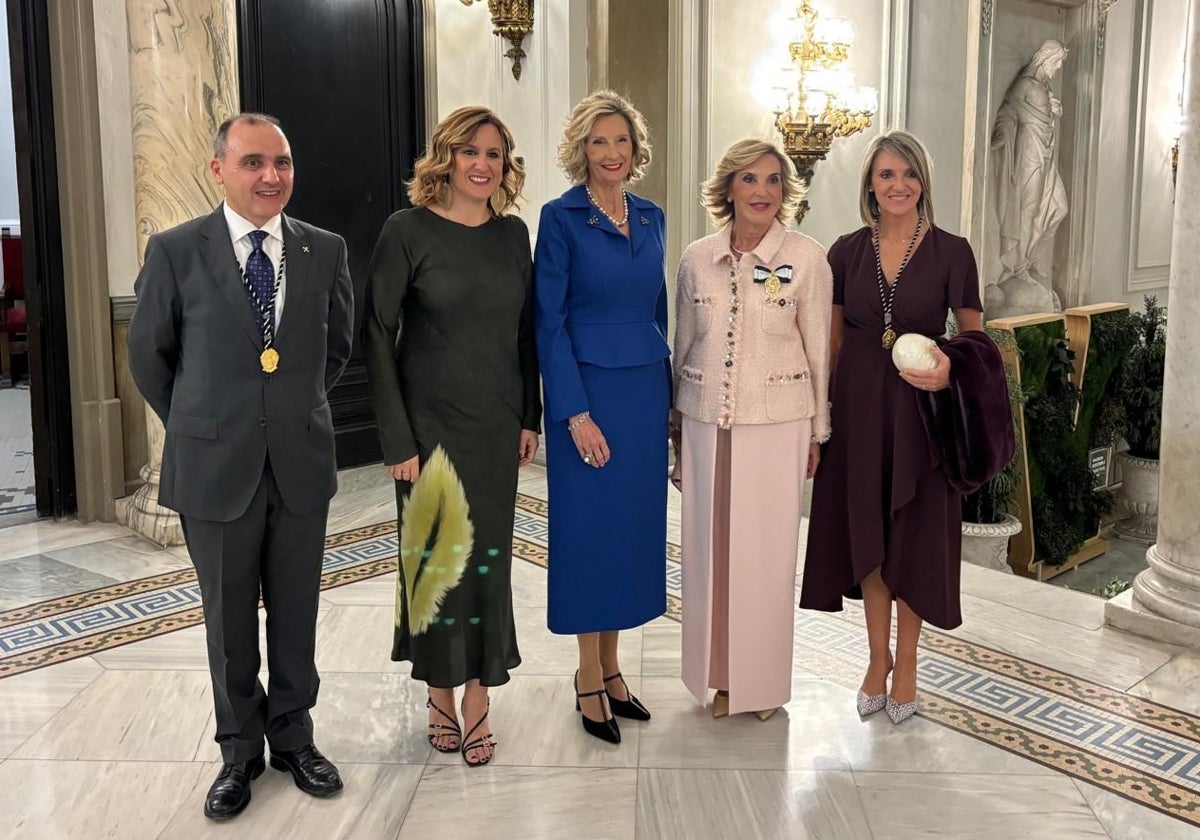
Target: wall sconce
column 817, row 98
column 511, row 19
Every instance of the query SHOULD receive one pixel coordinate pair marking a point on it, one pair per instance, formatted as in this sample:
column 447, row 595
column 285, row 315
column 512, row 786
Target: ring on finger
column 587, row 459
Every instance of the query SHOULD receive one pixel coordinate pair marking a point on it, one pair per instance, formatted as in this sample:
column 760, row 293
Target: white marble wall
column 1143, row 74
column 739, row 40
column 937, row 96
column 472, row 70
column 10, row 214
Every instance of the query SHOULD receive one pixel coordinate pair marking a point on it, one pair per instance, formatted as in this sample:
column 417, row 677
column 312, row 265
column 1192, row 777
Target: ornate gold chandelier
column 817, row 99
column 511, row 19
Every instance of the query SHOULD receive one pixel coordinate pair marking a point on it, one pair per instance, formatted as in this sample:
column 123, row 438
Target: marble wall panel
column 183, row 84
column 472, row 70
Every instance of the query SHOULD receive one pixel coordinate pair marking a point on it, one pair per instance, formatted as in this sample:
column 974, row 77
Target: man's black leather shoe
column 230, row 793
column 313, row 772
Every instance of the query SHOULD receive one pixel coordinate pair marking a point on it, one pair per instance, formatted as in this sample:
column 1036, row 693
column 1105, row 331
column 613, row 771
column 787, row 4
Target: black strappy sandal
column 488, row 740
column 631, row 708
column 441, row 730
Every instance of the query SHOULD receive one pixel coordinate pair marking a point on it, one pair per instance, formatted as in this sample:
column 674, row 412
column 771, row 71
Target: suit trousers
column 277, row 552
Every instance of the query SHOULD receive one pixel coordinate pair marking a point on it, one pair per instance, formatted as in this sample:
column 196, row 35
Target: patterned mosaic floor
column 1136, row 748
column 16, row 451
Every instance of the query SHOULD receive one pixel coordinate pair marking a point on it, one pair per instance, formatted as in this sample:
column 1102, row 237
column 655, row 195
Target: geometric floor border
column 1130, row 746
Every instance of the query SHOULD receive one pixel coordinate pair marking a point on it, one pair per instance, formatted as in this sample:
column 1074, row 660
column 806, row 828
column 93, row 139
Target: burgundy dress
column 880, row 497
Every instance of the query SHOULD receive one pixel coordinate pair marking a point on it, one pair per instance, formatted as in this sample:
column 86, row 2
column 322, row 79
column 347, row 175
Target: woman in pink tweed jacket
column 751, row 366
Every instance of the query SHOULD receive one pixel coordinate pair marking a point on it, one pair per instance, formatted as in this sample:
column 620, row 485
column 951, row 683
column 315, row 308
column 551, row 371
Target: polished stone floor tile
column 357, row 638
column 917, row 745
column 536, row 725
column 371, row 719
column 87, row 800
column 1175, row 684
column 1104, row 656
column 38, row 577
column 523, row 803
column 765, row 805
column 684, row 734
column 128, row 715
column 1079, row 608
column 28, row 701
column 1125, row 820
column 121, row 559
column 916, row 806
column 371, row 807
column 44, row 536
column 661, row 651
column 374, row 592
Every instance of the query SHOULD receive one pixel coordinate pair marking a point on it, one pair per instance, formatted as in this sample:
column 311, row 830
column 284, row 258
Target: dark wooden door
column 41, row 240
column 346, row 79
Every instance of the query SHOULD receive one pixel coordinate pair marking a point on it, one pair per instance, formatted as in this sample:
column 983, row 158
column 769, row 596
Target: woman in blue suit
column 601, row 326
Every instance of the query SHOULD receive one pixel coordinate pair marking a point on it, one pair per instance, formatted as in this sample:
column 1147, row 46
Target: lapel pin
column 594, row 220
column 305, row 249
column 645, row 222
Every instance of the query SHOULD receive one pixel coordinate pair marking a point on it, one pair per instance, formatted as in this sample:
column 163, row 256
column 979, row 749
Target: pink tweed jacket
column 752, row 337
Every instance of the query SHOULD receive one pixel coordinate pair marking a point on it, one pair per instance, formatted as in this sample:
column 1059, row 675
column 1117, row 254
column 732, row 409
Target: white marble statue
column 1030, row 198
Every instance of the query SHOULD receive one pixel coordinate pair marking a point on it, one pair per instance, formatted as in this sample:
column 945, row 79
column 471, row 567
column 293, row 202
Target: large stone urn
column 986, row 543
column 1137, row 500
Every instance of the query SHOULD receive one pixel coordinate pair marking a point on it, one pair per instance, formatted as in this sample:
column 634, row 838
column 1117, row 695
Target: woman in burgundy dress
column 885, row 521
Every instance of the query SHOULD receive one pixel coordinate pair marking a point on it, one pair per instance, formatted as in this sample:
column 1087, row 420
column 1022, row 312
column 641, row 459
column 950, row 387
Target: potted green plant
column 987, row 524
column 1141, row 398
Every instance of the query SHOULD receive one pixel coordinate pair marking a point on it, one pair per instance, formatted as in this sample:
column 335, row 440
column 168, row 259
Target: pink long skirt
column 742, row 494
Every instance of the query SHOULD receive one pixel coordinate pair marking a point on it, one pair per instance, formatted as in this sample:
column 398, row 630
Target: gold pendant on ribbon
column 773, row 284
column 889, row 338
column 269, row 360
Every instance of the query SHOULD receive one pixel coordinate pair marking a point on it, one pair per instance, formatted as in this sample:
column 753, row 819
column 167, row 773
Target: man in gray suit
column 240, row 381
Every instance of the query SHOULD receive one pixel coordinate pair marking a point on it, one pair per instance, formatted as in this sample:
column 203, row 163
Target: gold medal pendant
column 889, row 338
column 773, row 285
column 269, row 360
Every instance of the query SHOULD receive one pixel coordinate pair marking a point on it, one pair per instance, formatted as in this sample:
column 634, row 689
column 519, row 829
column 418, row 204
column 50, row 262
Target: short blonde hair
column 431, row 173
column 572, row 151
column 910, row 150
column 715, row 191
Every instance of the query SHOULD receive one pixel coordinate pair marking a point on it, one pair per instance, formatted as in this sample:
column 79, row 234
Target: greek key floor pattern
column 1139, row 749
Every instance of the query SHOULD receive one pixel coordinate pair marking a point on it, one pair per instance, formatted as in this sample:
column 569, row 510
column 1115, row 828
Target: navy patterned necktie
column 260, row 280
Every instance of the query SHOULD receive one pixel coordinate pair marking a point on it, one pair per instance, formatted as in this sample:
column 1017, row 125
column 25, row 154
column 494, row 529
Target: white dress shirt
column 239, row 232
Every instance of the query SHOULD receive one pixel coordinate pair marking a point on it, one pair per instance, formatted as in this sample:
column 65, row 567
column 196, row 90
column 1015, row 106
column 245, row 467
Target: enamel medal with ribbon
column 772, row 280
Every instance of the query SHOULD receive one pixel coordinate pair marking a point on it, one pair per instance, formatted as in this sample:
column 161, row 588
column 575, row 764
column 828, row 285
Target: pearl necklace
column 624, row 202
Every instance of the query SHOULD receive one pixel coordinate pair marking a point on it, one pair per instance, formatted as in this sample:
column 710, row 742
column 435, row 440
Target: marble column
column 1164, row 602
column 183, row 84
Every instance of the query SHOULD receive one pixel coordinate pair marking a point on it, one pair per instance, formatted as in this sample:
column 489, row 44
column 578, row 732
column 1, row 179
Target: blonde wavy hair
column 572, row 150
column 715, row 192
column 910, row 150
column 431, row 173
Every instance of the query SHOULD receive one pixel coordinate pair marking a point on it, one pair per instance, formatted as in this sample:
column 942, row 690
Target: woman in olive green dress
column 449, row 348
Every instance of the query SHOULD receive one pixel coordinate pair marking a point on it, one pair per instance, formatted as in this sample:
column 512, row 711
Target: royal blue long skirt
column 608, row 526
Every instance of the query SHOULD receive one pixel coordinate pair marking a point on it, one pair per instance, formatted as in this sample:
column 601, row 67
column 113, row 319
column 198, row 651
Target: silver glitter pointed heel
column 869, row 704
column 900, row 712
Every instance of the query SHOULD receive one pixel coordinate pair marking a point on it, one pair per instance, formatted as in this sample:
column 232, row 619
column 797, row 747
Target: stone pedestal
column 1165, row 600
column 141, row 512
column 183, row 85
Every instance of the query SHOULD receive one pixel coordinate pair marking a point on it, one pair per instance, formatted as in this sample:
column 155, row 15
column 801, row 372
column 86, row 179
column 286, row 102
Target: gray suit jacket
column 194, row 350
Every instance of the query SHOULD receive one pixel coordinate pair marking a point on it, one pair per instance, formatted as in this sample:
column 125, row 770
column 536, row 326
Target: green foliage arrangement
column 1066, row 509
column 1142, row 381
